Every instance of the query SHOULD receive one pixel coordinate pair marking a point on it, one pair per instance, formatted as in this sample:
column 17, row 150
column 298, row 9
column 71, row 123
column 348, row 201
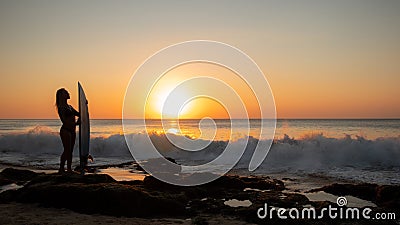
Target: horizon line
column 288, row 118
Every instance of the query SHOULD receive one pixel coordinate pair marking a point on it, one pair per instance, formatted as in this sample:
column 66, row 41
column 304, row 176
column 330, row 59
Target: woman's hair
column 59, row 96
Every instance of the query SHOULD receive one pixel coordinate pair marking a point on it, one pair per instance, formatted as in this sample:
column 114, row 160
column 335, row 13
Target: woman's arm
column 76, row 113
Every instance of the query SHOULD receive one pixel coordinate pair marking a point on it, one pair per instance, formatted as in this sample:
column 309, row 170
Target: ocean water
column 356, row 150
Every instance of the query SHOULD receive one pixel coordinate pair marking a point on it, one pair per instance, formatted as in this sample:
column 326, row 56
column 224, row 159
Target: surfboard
column 84, row 129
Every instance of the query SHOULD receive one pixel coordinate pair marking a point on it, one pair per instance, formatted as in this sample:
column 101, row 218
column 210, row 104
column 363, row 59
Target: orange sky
column 202, row 106
column 335, row 59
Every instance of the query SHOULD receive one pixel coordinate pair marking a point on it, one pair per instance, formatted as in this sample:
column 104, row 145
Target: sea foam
column 310, row 153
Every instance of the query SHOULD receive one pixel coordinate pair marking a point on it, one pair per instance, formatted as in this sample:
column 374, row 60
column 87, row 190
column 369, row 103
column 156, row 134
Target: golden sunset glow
column 198, row 106
column 157, row 107
column 318, row 63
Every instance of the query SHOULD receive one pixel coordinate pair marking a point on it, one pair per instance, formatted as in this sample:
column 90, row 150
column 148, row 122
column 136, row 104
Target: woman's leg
column 69, row 157
column 66, row 141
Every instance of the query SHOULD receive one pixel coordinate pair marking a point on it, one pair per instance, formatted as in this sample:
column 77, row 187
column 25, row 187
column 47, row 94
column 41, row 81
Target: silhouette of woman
column 67, row 132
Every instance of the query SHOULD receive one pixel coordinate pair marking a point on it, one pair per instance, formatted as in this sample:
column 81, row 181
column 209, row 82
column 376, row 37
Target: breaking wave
column 317, row 152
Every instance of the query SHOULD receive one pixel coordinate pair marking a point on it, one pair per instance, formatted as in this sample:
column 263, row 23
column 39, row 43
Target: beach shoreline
column 100, row 199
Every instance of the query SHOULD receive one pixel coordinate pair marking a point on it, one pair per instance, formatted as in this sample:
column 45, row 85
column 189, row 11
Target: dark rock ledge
column 151, row 198
column 386, row 196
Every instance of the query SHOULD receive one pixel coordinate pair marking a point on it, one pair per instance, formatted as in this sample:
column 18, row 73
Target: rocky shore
column 234, row 198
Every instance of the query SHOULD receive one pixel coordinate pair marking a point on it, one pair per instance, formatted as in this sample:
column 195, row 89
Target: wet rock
column 227, row 182
column 159, row 165
column 237, row 182
column 388, row 196
column 7, row 196
column 139, row 168
column 5, row 181
column 155, row 184
column 264, row 183
column 131, row 182
column 383, row 195
column 109, row 199
column 51, row 179
column 11, row 175
column 96, row 194
column 199, row 221
column 101, row 194
column 364, row 191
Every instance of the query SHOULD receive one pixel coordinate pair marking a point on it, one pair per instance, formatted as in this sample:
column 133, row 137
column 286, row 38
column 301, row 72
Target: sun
column 168, row 103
